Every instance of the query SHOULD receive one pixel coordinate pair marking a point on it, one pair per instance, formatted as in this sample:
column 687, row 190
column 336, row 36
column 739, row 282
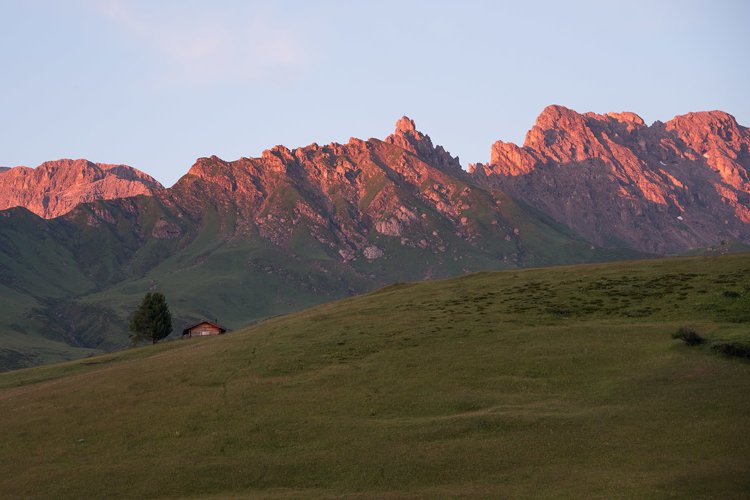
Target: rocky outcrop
column 406, row 136
column 55, row 188
column 346, row 196
column 665, row 188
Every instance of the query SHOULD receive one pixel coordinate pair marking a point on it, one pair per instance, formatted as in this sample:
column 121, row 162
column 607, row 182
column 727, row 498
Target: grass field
column 561, row 382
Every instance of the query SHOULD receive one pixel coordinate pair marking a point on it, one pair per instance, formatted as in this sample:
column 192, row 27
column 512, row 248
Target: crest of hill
column 545, row 383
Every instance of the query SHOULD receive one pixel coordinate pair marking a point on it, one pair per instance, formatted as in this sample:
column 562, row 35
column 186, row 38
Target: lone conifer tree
column 152, row 320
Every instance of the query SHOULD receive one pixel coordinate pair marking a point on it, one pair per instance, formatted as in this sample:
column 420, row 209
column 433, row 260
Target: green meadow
column 562, row 382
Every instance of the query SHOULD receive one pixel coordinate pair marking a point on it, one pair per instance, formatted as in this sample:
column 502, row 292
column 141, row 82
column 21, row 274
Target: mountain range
column 238, row 241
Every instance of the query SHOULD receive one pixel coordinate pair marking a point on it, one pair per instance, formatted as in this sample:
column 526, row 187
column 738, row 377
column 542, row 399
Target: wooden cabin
column 203, row 329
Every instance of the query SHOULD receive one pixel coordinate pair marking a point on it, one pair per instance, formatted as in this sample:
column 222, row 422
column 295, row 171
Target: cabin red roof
column 221, row 328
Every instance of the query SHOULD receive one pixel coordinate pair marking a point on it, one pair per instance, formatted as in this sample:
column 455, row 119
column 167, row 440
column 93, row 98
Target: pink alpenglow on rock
column 55, row 188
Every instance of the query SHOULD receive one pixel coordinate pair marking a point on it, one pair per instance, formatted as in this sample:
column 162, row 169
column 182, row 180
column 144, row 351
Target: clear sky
column 157, row 83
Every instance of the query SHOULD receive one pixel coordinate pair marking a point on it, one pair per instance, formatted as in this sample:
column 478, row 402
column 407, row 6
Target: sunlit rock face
column 610, row 178
column 667, row 187
column 55, row 188
column 346, row 195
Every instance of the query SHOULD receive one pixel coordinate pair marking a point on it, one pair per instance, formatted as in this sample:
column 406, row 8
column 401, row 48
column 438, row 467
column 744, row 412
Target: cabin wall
column 204, row 330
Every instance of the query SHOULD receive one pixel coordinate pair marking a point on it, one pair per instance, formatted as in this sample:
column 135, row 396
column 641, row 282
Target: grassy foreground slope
column 549, row 382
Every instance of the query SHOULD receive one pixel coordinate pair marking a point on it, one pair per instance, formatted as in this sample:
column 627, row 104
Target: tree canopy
column 152, row 320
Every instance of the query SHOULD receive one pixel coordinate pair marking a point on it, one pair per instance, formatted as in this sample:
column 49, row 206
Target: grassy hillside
column 68, row 285
column 536, row 383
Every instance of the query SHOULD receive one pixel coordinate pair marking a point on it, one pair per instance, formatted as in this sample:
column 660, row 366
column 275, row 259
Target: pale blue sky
column 156, row 84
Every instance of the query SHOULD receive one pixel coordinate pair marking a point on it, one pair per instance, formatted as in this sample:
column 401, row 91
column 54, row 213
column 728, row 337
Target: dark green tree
column 152, row 320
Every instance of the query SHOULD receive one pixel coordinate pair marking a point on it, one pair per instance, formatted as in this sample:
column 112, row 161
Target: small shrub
column 688, row 335
column 731, row 294
column 737, row 349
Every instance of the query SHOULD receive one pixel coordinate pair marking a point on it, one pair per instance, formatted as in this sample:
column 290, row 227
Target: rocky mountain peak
column 555, row 115
column 406, row 136
column 627, row 117
column 702, row 129
column 715, row 137
column 562, row 135
column 56, row 187
column 405, row 125
column 715, row 119
column 611, row 177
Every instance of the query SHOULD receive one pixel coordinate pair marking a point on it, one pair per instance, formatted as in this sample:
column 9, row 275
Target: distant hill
column 247, row 239
column 556, row 382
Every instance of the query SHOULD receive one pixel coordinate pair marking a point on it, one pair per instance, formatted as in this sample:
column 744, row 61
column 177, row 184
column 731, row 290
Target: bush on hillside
column 737, row 349
column 688, row 335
